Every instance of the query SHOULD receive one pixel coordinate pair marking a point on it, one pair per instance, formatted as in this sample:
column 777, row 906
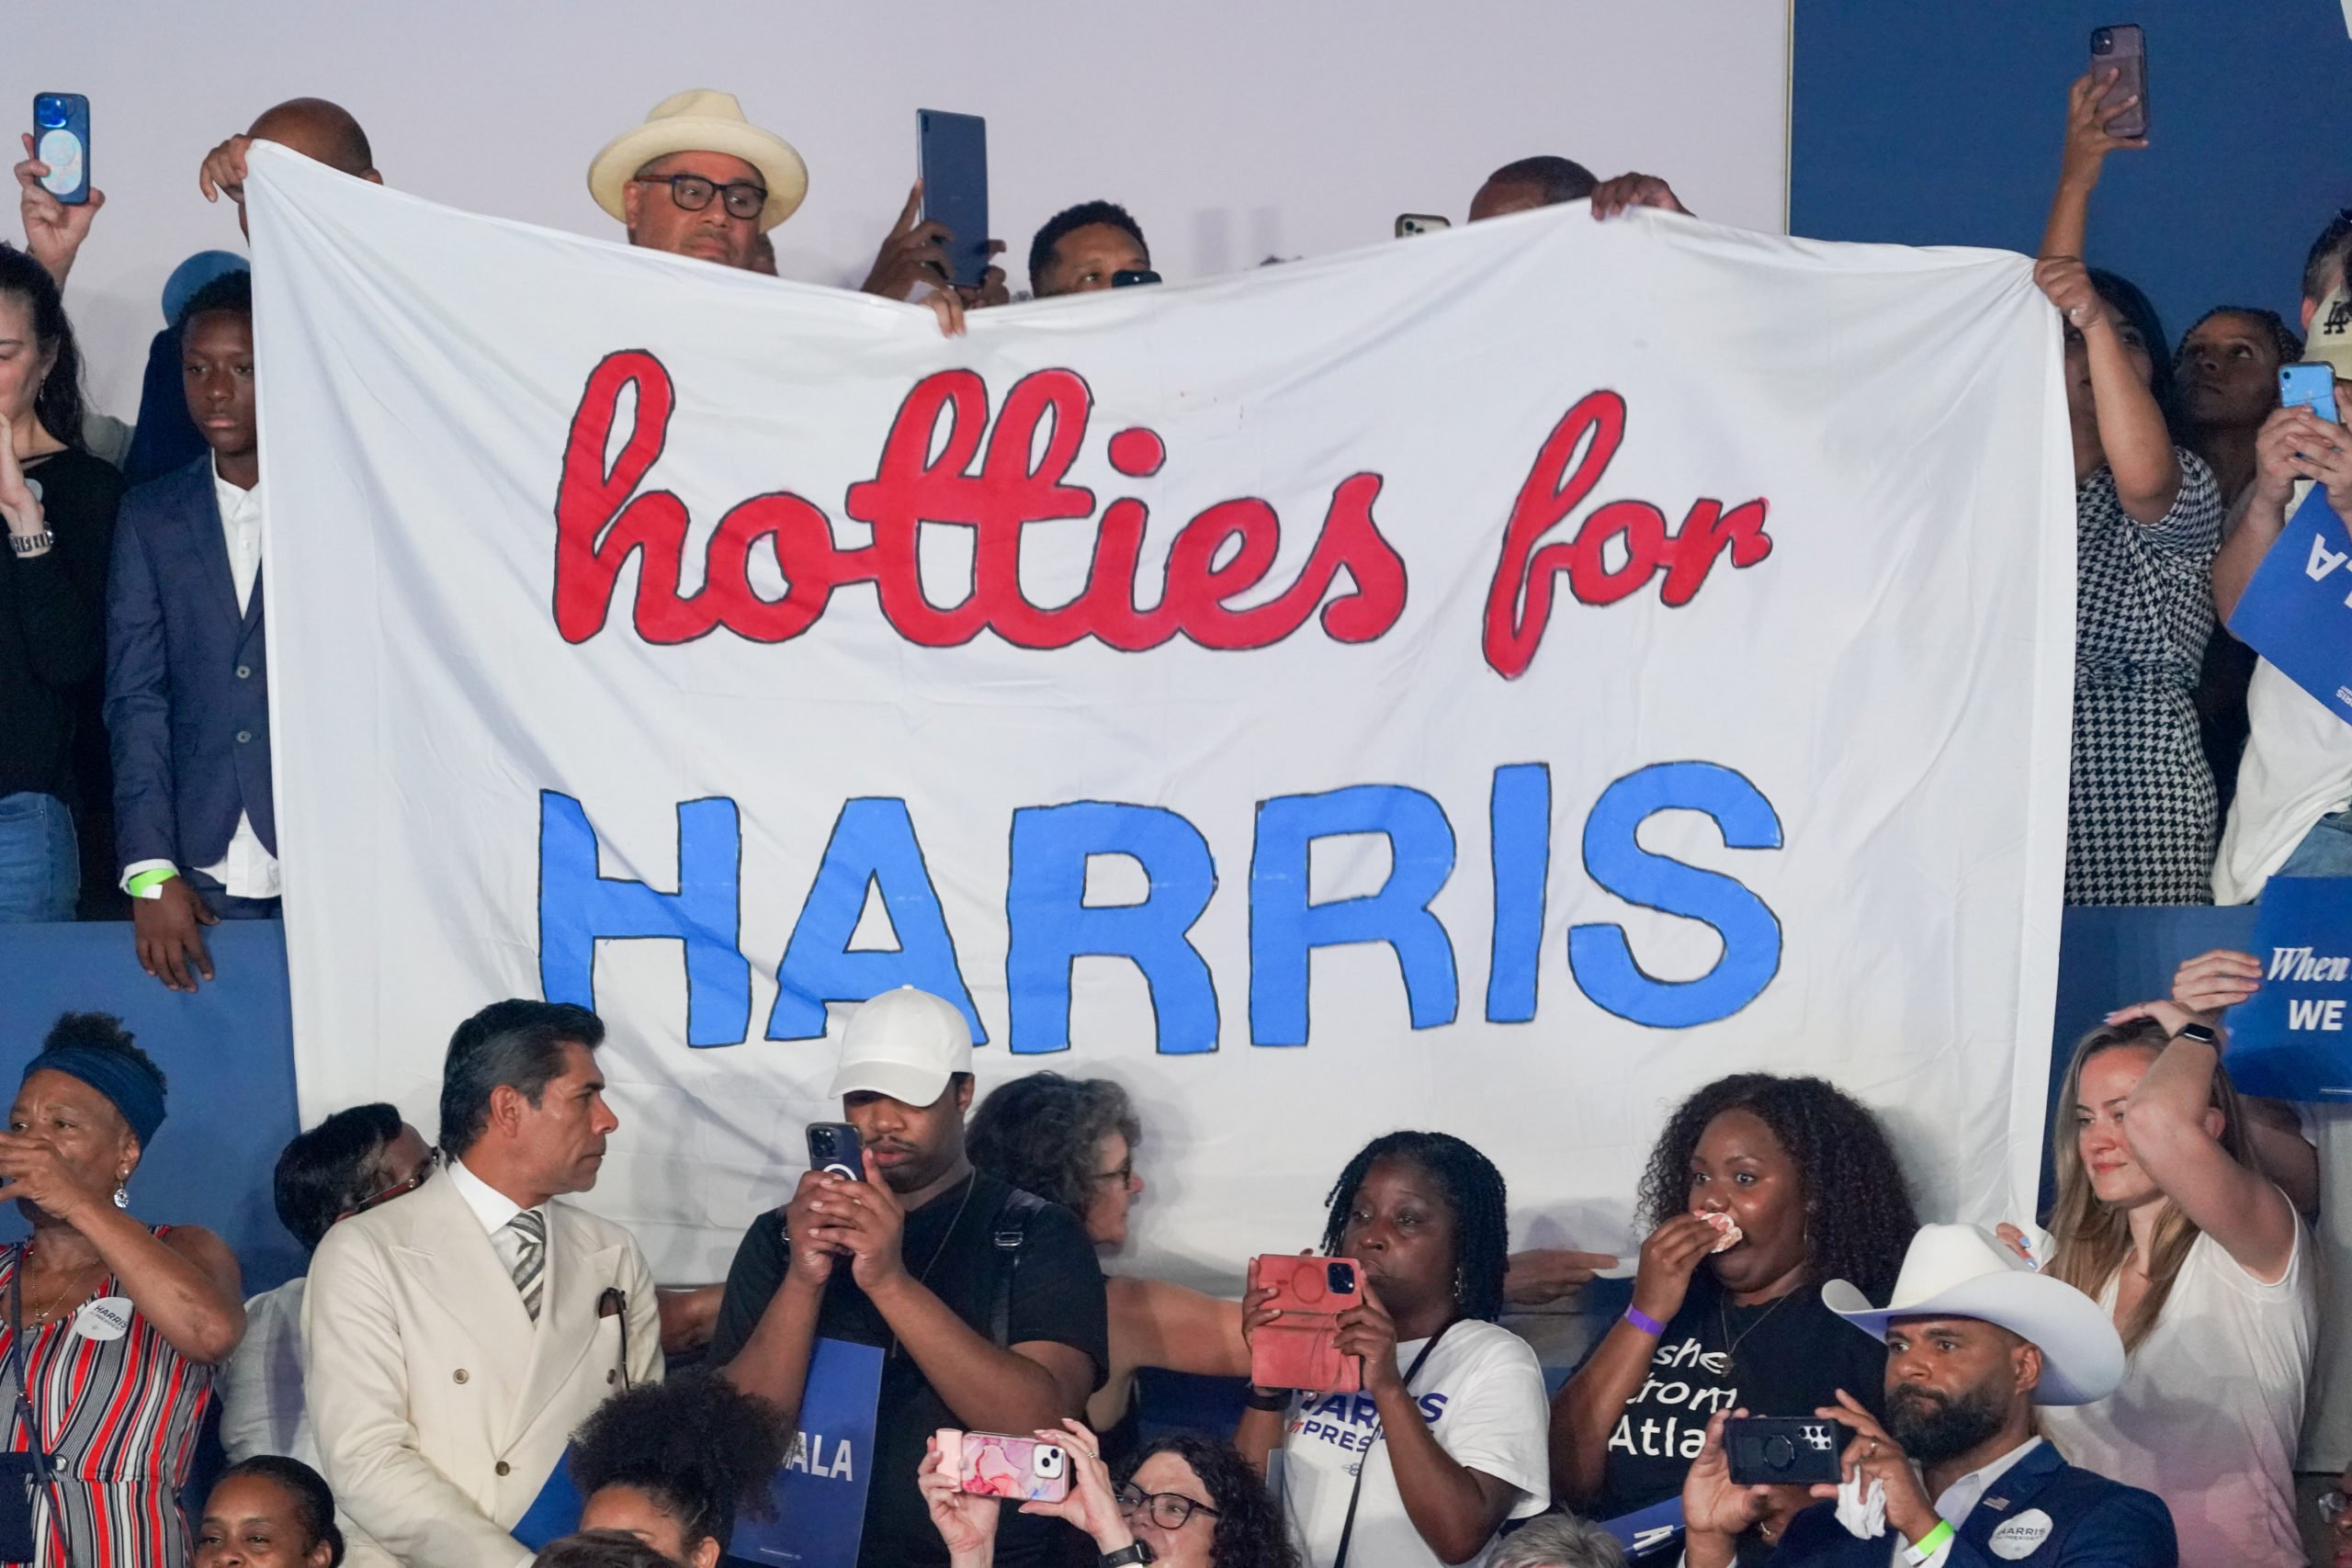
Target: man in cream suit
column 457, row 1337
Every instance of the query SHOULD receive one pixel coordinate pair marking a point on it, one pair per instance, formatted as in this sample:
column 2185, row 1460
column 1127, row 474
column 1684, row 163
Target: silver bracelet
column 33, row 544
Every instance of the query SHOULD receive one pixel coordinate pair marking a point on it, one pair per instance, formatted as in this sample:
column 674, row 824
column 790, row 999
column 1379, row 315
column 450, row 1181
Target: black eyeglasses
column 1168, row 1510
column 693, row 193
column 398, row 1189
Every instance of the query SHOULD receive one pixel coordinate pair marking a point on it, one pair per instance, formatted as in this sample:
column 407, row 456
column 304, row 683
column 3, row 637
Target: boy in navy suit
column 187, row 690
column 1957, row 1479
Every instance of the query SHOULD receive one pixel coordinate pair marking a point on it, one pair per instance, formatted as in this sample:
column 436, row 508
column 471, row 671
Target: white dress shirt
column 261, row 1387
column 493, row 1208
column 1959, row 1499
column 248, row 870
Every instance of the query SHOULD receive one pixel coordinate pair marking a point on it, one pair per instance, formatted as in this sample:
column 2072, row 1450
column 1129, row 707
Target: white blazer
column 439, row 1407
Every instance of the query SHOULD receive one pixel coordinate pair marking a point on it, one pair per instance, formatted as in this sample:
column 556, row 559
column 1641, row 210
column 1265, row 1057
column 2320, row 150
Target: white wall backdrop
column 1234, row 130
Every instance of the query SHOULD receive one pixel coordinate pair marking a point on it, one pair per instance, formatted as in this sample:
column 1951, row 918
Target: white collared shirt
column 493, row 1208
column 248, row 870
column 1959, row 1499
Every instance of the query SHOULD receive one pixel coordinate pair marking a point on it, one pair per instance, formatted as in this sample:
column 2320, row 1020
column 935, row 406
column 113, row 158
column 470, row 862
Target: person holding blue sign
column 987, row 1301
column 2164, row 1218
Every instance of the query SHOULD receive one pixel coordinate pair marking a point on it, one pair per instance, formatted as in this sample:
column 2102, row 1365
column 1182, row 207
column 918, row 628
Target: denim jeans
column 2326, row 849
column 41, row 870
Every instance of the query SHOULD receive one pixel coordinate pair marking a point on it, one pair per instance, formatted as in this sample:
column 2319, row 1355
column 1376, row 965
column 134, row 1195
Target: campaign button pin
column 109, row 1317
column 2021, row 1536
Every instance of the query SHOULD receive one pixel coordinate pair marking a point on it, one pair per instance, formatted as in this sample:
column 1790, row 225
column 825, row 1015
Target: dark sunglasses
column 693, row 193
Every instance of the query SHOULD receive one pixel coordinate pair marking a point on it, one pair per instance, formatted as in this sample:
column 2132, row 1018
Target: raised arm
column 2088, row 141
column 2208, row 985
column 2293, row 444
column 1586, row 1410
column 2175, row 1134
column 2132, row 433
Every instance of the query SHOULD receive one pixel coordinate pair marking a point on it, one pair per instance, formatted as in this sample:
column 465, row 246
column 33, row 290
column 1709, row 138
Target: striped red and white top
column 119, row 1418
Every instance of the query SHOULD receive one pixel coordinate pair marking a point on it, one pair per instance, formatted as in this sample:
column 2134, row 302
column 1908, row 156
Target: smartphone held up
column 1300, row 1348
column 61, row 140
column 836, row 1148
column 2122, row 50
column 1023, row 1470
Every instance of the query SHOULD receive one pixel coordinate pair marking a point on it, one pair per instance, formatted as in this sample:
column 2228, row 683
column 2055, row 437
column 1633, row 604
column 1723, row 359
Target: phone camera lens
column 2102, row 41
column 1340, row 1277
column 52, row 113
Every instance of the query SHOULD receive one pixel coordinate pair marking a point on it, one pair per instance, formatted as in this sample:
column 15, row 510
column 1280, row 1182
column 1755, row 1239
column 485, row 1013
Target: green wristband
column 1928, row 1544
column 145, row 884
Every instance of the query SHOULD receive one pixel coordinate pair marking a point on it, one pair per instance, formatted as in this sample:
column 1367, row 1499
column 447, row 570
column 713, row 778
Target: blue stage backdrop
column 1940, row 125
column 228, row 1051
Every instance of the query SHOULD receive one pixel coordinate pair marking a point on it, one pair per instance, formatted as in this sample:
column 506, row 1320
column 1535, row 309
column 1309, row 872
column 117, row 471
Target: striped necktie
column 530, row 1268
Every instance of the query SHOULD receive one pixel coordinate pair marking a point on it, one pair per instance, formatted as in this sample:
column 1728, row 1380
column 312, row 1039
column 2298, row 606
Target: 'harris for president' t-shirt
column 1792, row 1356
column 1482, row 1393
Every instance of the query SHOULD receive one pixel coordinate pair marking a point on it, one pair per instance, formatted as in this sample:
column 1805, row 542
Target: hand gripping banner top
column 1494, row 682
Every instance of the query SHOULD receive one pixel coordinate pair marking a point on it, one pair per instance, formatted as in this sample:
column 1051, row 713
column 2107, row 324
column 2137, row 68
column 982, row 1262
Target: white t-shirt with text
column 1481, row 1392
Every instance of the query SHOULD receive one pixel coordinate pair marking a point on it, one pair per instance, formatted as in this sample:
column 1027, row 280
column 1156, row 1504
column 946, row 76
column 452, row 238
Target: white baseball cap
column 906, row 1043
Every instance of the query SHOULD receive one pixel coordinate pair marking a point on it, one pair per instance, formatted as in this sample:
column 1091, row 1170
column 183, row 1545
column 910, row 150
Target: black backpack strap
column 1011, row 1231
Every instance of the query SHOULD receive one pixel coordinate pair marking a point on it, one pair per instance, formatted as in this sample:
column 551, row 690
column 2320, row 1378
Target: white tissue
column 1862, row 1516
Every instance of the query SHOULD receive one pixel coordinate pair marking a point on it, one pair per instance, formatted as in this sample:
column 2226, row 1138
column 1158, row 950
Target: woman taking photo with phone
column 2165, row 1219
column 1188, row 1502
column 1446, row 1441
column 1760, row 1188
column 2141, row 811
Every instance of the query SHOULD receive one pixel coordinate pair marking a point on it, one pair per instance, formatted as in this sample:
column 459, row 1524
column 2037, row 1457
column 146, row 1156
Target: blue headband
column 115, row 1074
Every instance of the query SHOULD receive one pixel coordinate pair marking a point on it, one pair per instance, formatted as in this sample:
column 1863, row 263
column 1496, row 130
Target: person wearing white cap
column 1975, row 1339
column 989, row 1300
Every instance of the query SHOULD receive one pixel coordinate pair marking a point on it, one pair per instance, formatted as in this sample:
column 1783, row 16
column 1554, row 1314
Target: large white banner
column 1496, row 682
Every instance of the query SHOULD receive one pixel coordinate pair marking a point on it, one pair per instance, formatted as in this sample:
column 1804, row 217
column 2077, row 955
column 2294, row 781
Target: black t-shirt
column 53, row 629
column 1792, row 1356
column 1056, row 1294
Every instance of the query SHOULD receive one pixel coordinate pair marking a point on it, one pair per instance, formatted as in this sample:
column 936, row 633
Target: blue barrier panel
column 228, row 1051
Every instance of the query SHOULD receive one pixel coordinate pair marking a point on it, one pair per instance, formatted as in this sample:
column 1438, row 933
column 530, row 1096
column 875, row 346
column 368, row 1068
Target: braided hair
column 701, row 1448
column 1249, row 1531
column 1472, row 1188
column 307, row 1490
column 1858, row 1214
column 2284, row 339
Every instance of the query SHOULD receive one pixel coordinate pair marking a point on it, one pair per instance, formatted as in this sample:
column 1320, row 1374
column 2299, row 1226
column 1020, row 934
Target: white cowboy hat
column 700, row 121
column 1964, row 1272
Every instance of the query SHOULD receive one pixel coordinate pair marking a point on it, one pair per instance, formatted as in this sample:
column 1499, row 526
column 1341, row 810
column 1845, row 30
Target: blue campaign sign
column 555, row 1511
column 2297, row 613
column 819, row 1499
column 2292, row 1039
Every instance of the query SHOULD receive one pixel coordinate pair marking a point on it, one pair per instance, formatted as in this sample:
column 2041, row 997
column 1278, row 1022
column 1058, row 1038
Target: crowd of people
column 2127, row 1386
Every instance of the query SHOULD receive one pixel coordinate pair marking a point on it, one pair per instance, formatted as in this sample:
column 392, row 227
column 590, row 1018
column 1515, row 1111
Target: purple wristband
column 1646, row 1323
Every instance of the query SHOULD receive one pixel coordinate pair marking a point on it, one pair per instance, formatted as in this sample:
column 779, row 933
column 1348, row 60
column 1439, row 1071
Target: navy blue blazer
column 2044, row 1511
column 188, row 689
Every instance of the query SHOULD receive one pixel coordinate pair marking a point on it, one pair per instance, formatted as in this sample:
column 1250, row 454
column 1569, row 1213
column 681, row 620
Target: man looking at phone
column 989, row 1300
column 1975, row 1338
column 1082, row 248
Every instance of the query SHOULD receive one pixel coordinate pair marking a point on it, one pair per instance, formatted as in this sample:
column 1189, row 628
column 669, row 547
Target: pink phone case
column 994, row 1464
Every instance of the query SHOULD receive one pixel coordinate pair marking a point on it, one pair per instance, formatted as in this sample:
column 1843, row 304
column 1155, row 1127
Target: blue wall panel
column 228, row 1052
column 1929, row 125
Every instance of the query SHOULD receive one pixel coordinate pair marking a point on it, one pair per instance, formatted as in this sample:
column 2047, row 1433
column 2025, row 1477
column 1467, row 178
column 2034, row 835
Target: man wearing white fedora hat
column 1974, row 1339
column 698, row 179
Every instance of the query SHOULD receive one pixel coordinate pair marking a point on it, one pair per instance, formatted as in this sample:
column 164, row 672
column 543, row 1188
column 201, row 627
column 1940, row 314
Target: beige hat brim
column 779, row 164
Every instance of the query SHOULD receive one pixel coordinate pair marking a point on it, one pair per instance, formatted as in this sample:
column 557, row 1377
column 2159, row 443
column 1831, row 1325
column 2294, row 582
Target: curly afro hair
column 1857, row 1211
column 701, row 1448
column 1472, row 1186
column 1249, row 1531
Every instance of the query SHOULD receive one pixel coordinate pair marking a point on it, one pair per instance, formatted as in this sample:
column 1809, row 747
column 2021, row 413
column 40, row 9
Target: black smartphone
column 952, row 150
column 1774, row 1451
column 61, row 140
column 835, row 1146
column 2122, row 49
column 1133, row 277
